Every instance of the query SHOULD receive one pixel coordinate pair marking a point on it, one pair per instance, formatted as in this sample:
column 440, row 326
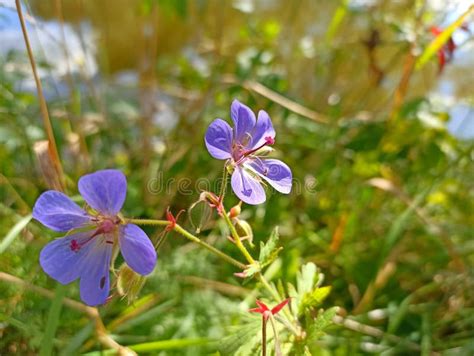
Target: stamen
column 268, row 142
column 75, row 246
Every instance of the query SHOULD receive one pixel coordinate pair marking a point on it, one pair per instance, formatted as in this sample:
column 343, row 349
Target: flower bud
column 129, row 283
column 200, row 212
column 244, row 230
column 235, row 210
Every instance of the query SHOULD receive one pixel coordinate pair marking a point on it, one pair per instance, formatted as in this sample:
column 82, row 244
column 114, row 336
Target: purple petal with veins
column 246, row 187
column 275, row 172
column 104, row 190
column 219, row 139
column 58, row 212
column 95, row 282
column 244, row 122
column 63, row 260
column 137, row 249
column 262, row 131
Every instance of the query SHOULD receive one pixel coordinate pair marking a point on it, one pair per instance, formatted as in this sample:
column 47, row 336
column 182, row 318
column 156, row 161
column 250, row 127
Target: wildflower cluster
column 96, row 232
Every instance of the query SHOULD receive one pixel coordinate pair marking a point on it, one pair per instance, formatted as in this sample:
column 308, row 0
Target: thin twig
column 42, row 101
column 374, row 332
column 277, row 98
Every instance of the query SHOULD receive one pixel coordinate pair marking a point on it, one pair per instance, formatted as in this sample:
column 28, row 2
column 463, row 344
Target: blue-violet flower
column 86, row 253
column 242, row 146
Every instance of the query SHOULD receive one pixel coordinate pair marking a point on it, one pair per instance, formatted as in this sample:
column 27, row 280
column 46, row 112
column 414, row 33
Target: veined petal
column 104, row 190
column 275, row 172
column 263, row 129
column 244, row 122
column 219, row 139
column 95, row 282
column 246, row 187
column 137, row 249
column 58, row 212
column 63, row 263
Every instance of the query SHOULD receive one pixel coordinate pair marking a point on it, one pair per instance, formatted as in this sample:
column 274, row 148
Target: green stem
column 275, row 335
column 251, row 260
column 210, row 248
column 190, row 237
column 148, row 222
column 236, row 238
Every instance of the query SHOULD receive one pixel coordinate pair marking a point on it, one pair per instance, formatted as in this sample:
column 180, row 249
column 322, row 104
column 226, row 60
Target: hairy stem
column 251, row 260
column 210, row 248
column 190, row 237
column 236, row 238
column 148, row 222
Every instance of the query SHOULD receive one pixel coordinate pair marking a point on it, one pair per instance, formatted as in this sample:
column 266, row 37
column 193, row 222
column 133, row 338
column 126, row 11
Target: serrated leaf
column 323, row 320
column 306, row 279
column 314, row 298
column 251, row 270
column 242, row 338
column 269, row 251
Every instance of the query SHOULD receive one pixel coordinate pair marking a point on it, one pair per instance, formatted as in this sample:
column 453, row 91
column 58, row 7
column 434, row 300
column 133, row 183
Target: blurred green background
column 380, row 144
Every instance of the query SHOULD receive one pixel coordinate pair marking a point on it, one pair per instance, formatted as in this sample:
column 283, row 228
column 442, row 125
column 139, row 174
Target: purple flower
column 242, row 146
column 87, row 253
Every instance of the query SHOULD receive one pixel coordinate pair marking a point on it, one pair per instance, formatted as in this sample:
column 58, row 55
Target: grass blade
column 13, row 233
column 440, row 40
column 53, row 321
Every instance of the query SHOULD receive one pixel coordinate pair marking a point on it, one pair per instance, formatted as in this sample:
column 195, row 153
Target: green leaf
column 269, row 251
column 53, row 321
column 399, row 226
column 251, row 270
column 315, row 298
column 169, row 344
column 78, row 340
column 323, row 320
column 306, row 279
column 242, row 339
column 441, row 39
column 336, row 20
column 14, row 232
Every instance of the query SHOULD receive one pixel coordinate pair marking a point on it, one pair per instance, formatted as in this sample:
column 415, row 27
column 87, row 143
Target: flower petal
column 246, row 187
column 262, row 130
column 137, row 249
column 95, row 281
column 219, row 139
column 58, row 212
column 275, row 172
column 244, row 122
column 104, row 190
column 60, row 262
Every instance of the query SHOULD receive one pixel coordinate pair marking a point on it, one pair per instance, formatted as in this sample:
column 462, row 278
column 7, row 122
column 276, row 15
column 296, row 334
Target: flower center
column 239, row 153
column 105, row 225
